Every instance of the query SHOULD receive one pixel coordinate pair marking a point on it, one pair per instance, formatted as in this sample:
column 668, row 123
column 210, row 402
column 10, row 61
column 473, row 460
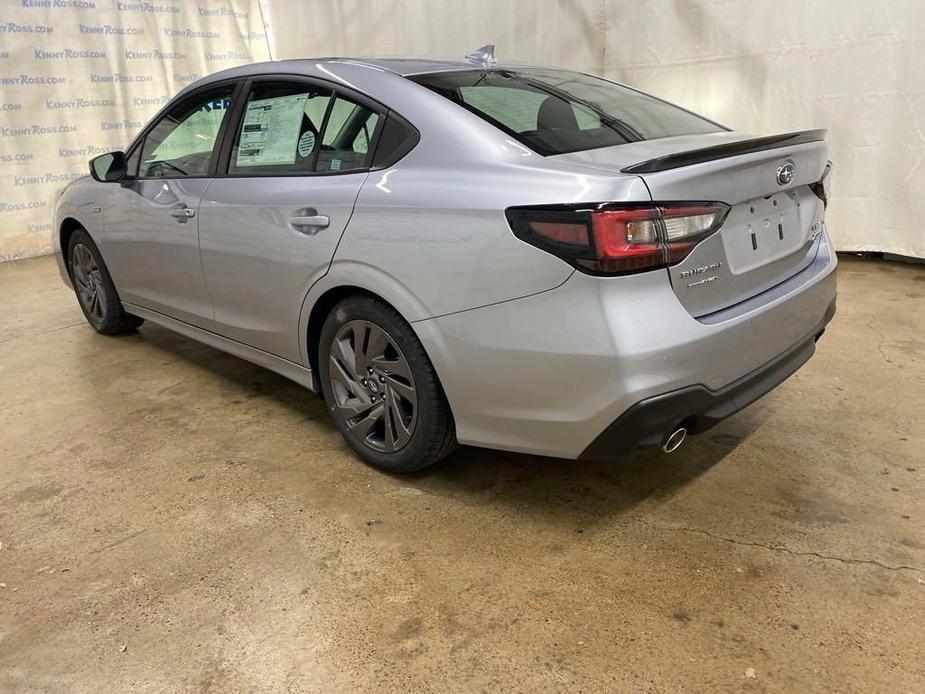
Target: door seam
column 202, row 264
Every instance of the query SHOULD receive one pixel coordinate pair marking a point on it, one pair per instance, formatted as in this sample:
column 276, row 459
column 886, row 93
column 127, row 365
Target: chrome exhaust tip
column 674, row 440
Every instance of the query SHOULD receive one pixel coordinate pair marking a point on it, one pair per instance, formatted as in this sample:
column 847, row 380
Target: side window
column 364, row 137
column 280, row 130
column 398, row 137
column 292, row 128
column 181, row 143
column 347, row 136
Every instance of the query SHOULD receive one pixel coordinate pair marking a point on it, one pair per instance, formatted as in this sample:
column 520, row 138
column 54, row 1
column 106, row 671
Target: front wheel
column 95, row 291
column 381, row 388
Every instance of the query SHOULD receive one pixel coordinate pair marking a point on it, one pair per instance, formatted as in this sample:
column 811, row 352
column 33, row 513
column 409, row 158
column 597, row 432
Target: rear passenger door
column 289, row 176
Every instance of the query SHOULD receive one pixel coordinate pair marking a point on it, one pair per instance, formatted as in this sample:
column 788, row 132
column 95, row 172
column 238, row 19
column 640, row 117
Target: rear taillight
column 617, row 240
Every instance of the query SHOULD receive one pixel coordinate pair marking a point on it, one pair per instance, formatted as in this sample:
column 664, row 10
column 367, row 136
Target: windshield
column 559, row 111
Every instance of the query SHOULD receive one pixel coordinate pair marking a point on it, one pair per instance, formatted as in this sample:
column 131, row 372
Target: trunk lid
column 771, row 229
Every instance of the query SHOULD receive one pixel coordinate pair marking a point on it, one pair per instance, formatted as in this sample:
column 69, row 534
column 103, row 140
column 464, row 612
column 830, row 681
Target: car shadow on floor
column 576, row 489
column 253, row 381
column 582, row 489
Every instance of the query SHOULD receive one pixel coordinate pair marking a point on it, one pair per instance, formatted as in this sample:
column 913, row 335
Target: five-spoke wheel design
column 372, row 385
column 88, row 281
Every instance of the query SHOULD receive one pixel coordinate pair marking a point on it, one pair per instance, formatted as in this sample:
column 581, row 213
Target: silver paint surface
column 533, row 355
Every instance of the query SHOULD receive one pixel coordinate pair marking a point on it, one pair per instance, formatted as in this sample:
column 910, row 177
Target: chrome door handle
column 319, row 221
column 183, row 213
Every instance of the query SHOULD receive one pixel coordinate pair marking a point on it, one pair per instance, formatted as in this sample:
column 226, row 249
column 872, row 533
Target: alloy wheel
column 372, row 385
column 88, row 280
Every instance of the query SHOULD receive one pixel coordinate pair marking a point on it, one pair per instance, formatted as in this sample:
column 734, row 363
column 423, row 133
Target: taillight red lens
column 612, row 240
column 626, row 240
column 562, row 232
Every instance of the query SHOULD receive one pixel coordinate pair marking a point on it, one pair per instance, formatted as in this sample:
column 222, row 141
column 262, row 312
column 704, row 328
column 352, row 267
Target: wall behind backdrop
column 81, row 77
column 761, row 66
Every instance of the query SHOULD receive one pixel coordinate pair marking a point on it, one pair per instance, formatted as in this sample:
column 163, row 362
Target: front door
column 269, row 228
column 152, row 223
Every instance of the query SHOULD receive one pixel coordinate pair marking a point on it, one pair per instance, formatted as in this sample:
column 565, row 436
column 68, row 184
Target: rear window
column 559, row 111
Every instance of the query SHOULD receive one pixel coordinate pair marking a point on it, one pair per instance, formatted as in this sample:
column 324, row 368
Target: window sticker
column 271, row 128
column 335, row 165
column 306, row 143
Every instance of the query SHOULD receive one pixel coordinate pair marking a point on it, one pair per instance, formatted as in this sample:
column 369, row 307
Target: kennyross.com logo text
column 86, row 151
column 118, row 77
column 154, row 54
column 187, row 33
column 17, row 28
column 23, row 205
column 150, row 100
column 76, row 102
column 29, row 80
column 19, row 131
column 146, row 7
column 16, row 157
column 222, row 11
column 110, row 30
column 227, row 55
column 44, row 178
column 60, row 4
column 120, row 125
column 66, row 54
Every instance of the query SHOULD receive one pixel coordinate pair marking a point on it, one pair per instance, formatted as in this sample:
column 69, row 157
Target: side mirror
column 109, row 167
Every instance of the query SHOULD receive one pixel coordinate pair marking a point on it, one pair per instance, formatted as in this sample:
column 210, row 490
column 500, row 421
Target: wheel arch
column 67, row 228
column 346, row 279
column 319, row 312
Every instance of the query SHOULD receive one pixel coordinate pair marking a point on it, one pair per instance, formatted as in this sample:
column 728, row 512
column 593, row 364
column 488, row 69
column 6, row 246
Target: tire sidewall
column 112, row 306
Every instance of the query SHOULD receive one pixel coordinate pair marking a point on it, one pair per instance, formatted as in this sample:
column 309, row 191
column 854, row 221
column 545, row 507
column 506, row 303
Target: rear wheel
column 381, row 389
column 95, row 291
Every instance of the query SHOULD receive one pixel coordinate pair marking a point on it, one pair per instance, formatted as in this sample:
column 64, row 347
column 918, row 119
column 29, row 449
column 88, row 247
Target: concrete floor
column 175, row 519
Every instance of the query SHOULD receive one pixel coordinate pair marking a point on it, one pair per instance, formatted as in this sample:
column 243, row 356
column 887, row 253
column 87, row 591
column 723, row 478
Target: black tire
column 96, row 294
column 432, row 435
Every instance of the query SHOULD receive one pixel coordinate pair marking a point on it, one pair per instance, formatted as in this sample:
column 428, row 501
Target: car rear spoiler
column 732, row 149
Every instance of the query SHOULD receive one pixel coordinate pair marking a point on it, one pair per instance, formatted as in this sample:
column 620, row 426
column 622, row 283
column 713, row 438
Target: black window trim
column 138, row 142
column 237, row 112
column 218, row 165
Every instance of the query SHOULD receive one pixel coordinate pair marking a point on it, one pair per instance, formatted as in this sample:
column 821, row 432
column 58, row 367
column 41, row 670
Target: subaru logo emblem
column 785, row 173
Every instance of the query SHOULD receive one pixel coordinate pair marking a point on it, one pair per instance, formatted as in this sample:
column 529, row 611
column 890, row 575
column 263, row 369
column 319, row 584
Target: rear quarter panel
column 440, row 229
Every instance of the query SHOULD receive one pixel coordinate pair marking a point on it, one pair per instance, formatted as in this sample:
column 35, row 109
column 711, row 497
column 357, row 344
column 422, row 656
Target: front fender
column 74, row 202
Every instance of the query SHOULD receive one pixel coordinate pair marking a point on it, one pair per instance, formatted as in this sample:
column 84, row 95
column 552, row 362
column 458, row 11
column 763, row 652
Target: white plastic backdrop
column 854, row 67
column 80, row 77
column 761, row 66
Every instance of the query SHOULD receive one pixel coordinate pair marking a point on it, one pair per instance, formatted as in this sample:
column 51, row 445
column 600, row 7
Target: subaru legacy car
column 464, row 252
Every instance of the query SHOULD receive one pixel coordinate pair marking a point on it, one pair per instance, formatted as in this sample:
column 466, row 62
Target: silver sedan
column 524, row 258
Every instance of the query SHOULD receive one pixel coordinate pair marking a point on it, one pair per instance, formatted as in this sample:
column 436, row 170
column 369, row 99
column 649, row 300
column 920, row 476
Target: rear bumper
column 698, row 408
column 549, row 373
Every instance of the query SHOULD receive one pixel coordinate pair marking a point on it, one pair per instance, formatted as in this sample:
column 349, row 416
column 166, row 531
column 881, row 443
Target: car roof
column 404, row 67
column 400, row 66
column 412, row 66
